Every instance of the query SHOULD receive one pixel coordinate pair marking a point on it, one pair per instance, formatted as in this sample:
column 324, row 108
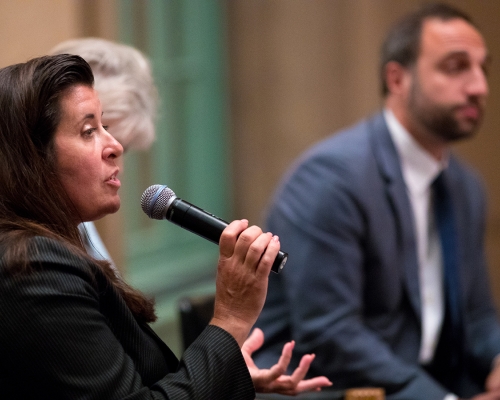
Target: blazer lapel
column 169, row 355
column 390, row 169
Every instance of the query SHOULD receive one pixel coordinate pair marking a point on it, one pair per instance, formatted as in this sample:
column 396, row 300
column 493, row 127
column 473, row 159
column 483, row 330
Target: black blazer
column 67, row 334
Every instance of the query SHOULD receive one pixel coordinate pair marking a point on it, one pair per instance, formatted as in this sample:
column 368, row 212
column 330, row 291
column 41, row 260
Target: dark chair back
column 195, row 314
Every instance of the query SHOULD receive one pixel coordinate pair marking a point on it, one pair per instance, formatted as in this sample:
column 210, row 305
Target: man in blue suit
column 369, row 286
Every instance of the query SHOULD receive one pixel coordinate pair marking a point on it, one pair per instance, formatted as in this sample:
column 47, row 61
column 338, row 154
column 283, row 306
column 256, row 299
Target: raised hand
column 246, row 258
column 273, row 380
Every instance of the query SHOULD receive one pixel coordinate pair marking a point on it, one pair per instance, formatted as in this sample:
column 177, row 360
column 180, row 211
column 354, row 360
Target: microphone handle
column 206, row 225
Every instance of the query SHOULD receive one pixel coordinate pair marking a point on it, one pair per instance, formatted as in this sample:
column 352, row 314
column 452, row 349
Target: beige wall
column 301, row 69
column 30, row 28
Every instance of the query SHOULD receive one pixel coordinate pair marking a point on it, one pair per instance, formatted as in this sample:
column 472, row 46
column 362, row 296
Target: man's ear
column 397, row 78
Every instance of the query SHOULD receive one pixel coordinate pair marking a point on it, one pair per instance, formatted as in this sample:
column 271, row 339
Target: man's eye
column 455, row 66
column 105, row 127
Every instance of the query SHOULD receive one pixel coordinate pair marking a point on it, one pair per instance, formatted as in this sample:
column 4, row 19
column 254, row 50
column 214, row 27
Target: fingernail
column 276, row 238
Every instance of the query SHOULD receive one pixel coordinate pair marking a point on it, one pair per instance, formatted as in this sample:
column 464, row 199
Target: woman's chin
column 98, row 214
column 112, row 208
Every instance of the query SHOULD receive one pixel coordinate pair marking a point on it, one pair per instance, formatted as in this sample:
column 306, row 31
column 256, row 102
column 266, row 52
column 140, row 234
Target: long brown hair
column 33, row 201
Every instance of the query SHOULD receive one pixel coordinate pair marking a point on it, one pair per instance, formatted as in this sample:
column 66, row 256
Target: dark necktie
column 447, row 358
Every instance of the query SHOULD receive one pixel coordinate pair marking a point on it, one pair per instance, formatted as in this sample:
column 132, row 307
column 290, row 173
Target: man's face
column 448, row 87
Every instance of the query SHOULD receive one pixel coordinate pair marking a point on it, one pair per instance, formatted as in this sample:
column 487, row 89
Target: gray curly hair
column 124, row 82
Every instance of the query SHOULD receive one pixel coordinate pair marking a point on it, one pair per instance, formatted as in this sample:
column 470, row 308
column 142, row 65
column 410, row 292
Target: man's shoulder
column 349, row 149
column 344, row 162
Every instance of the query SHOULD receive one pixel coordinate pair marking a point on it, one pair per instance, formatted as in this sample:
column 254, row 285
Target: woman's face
column 86, row 155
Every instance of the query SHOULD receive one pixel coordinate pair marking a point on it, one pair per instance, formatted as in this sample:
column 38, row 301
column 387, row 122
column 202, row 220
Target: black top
column 66, row 333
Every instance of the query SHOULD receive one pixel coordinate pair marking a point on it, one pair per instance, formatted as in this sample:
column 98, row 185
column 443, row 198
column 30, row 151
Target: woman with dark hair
column 124, row 82
column 71, row 327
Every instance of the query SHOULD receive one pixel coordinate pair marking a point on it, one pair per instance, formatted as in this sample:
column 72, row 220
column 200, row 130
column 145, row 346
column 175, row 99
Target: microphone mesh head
column 155, row 201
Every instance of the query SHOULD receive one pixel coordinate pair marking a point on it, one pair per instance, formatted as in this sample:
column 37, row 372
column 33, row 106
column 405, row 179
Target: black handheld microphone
column 160, row 202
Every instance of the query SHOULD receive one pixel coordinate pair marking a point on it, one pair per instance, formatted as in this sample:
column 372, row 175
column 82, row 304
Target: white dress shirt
column 419, row 170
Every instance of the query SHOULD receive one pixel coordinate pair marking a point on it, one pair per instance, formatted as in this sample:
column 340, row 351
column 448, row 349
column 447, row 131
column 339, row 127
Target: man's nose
column 477, row 84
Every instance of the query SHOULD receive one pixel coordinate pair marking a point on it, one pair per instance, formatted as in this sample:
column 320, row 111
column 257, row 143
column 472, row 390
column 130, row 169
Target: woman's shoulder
column 45, row 249
column 49, row 257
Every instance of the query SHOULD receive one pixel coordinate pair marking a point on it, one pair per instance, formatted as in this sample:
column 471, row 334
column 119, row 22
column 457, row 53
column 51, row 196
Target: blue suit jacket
column 350, row 292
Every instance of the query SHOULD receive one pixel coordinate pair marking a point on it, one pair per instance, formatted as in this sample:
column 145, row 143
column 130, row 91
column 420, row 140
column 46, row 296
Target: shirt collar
column 419, row 168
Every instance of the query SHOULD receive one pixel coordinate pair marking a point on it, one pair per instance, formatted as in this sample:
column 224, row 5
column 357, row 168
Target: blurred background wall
column 295, row 71
column 301, row 69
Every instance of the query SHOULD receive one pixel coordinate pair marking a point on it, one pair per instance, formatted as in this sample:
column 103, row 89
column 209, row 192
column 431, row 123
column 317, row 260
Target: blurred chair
column 324, row 394
column 365, row 394
column 330, row 394
column 195, row 313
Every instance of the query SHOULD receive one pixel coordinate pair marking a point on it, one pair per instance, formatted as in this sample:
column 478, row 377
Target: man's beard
column 441, row 120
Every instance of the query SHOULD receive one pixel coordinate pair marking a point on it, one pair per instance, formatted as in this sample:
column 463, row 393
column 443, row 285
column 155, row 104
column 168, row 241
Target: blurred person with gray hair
column 124, row 81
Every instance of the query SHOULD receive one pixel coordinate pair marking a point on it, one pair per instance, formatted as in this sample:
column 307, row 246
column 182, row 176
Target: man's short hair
column 402, row 43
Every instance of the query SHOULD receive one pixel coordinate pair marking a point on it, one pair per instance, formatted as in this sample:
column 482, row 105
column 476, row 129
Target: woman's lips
column 113, row 180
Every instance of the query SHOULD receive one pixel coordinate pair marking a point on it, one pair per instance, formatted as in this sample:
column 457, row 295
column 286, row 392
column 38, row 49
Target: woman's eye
column 89, row 132
column 105, row 127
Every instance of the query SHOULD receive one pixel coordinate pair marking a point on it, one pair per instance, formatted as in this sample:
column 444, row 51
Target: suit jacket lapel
column 168, row 354
column 390, row 169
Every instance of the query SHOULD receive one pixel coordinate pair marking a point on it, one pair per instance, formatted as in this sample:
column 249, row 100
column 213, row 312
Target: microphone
column 160, row 202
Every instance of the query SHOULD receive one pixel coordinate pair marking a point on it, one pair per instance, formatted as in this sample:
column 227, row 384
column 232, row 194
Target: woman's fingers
column 267, row 260
column 246, row 257
column 229, row 237
column 249, row 246
column 253, row 342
